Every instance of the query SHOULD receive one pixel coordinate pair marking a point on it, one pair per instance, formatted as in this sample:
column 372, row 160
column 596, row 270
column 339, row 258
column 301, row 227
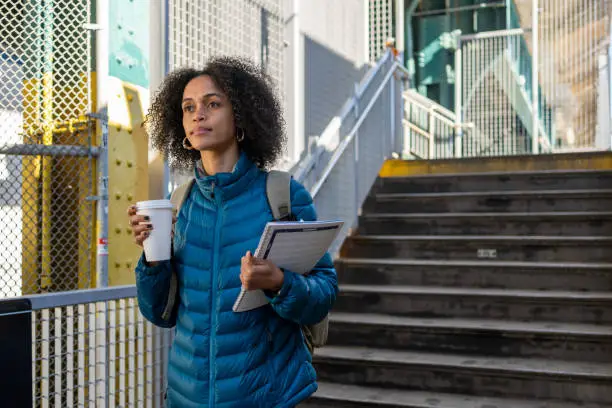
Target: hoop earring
column 241, row 137
column 187, row 144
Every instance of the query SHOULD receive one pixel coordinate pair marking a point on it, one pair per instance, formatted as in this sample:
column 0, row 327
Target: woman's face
column 208, row 117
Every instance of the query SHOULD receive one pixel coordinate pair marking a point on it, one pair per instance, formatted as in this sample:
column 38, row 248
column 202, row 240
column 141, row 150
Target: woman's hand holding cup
column 140, row 224
column 152, row 223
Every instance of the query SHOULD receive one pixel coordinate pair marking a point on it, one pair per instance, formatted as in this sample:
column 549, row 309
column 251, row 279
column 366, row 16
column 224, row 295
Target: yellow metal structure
column 127, row 176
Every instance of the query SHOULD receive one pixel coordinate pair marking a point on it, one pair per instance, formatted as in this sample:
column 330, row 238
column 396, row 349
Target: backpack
column 279, row 198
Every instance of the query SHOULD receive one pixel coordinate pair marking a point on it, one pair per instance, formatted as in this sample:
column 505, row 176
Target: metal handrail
column 435, row 115
column 444, row 119
column 427, row 104
column 75, row 297
column 351, row 135
column 49, row 150
column 78, row 297
column 334, row 125
column 417, row 129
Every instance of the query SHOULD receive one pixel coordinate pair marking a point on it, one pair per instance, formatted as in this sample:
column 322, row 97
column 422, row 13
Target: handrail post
column 391, row 147
column 399, row 147
column 432, row 135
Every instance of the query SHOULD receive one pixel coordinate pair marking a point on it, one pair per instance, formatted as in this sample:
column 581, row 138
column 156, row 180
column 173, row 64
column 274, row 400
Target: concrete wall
column 326, row 54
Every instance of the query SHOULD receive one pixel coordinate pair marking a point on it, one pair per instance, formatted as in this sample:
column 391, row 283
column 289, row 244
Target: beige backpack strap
column 278, row 185
column 178, row 196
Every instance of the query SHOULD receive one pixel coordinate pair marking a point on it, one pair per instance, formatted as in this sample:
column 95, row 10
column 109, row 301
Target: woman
column 225, row 124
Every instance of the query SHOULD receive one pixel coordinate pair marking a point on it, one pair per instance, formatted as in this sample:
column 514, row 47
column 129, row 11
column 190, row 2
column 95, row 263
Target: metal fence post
column 398, row 147
column 46, row 280
column 102, row 260
column 389, row 150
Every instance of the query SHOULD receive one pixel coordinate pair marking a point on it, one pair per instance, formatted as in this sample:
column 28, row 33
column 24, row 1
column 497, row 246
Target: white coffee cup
column 157, row 246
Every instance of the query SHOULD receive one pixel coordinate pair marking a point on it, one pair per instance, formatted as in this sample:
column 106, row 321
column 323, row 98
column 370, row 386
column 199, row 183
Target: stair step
column 506, row 248
column 544, row 194
column 571, row 341
column 345, row 395
column 480, row 273
column 495, row 365
column 450, row 373
column 491, row 201
column 528, row 294
column 488, row 223
column 518, row 305
column 496, row 181
column 510, row 327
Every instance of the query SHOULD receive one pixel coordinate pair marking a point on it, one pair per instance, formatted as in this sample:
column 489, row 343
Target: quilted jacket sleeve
column 306, row 299
column 153, row 288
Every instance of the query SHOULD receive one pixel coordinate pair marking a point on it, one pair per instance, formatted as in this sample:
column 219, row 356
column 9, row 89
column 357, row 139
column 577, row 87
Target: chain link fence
column 47, row 162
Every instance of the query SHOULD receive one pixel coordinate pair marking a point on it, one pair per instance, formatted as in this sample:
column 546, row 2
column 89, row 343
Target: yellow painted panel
column 566, row 161
column 128, row 179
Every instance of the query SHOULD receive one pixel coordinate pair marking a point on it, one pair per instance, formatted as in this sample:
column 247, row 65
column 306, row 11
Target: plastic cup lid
column 154, row 204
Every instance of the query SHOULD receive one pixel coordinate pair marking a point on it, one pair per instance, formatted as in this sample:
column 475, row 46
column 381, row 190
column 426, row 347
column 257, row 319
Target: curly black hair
column 256, row 109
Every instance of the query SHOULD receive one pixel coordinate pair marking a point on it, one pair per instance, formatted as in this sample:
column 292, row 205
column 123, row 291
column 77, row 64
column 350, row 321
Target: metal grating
column 250, row 28
column 496, row 95
column 98, row 354
column 381, row 27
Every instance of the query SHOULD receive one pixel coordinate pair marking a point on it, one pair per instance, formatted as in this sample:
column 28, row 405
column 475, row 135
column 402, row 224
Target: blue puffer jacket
column 220, row 358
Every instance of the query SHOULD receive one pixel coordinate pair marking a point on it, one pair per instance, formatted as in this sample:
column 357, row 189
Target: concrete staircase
column 489, row 290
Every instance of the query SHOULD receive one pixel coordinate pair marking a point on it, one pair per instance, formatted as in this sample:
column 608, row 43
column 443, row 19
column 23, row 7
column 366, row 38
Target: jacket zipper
column 213, row 299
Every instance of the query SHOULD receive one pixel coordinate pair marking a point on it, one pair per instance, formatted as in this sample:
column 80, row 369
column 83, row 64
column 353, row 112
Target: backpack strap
column 278, row 185
column 178, row 196
column 278, row 190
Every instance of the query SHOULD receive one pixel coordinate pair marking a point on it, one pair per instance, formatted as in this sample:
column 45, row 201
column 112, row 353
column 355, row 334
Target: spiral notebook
column 295, row 246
